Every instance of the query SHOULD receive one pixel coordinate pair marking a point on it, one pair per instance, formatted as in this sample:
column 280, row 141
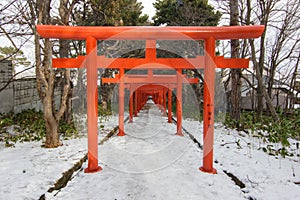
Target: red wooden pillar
column 170, row 106
column 139, row 101
column 121, row 103
column 164, row 101
column 208, row 111
column 92, row 112
column 135, row 103
column 145, row 99
column 142, row 100
column 131, row 106
column 159, row 100
column 179, row 102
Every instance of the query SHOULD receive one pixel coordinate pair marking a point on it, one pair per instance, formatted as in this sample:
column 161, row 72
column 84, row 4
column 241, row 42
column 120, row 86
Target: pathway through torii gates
column 141, row 87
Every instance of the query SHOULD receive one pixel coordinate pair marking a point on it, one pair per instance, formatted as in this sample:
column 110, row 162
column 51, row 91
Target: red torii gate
column 209, row 62
column 160, row 84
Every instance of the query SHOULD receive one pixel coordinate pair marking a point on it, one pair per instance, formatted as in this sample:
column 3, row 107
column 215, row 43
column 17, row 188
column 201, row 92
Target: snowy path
column 150, row 162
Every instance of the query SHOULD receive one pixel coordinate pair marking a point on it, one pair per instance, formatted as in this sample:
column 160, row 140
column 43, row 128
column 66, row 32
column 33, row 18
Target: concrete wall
column 6, row 95
column 21, row 94
column 25, row 95
column 278, row 101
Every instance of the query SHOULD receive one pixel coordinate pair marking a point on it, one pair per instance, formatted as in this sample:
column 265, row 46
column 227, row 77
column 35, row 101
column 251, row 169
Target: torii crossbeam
column 151, row 34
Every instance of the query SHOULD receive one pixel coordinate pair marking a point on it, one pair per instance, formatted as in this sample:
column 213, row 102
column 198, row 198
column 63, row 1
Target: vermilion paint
column 141, row 86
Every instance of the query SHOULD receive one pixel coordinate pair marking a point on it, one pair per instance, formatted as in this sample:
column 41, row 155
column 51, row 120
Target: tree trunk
column 267, row 98
column 261, row 86
column 68, row 113
column 81, row 92
column 292, row 96
column 259, row 97
column 52, row 135
column 64, row 47
column 259, row 69
column 106, row 91
column 235, row 94
column 45, row 75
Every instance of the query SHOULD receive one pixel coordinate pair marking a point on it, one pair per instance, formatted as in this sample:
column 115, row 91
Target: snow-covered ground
column 150, row 162
column 28, row 170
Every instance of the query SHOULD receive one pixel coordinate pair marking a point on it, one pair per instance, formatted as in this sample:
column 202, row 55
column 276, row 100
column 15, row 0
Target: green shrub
column 29, row 125
column 68, row 130
column 287, row 127
column 103, row 113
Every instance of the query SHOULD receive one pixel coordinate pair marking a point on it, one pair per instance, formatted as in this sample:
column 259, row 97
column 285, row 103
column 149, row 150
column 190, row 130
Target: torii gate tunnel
column 151, row 34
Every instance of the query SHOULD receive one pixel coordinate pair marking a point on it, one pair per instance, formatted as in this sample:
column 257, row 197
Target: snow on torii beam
column 209, row 62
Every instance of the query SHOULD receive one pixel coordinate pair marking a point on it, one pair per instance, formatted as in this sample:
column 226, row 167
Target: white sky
column 148, row 7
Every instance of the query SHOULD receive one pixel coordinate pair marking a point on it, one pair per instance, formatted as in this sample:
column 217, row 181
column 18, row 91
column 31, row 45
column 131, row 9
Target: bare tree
column 276, row 51
column 18, row 24
column 258, row 59
column 293, row 84
column 278, row 45
column 16, row 36
column 236, row 74
column 46, row 75
column 65, row 10
column 11, row 26
column 285, row 43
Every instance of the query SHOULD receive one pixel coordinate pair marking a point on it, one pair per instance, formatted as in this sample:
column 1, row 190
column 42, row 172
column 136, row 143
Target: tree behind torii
column 40, row 14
